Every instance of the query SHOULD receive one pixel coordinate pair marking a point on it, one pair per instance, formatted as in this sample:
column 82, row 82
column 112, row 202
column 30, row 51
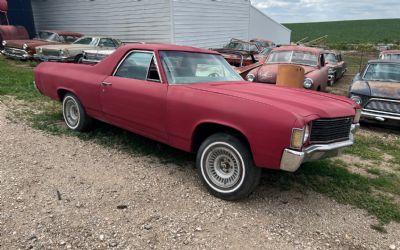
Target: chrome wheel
column 223, row 167
column 71, row 112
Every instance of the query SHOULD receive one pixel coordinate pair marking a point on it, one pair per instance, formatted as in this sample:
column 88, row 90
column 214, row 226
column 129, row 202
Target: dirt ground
column 64, row 193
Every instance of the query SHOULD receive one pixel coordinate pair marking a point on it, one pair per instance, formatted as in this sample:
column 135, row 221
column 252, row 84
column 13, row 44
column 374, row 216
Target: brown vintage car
column 377, row 90
column 310, row 59
column 10, row 32
column 393, row 55
column 337, row 67
column 241, row 53
column 24, row 49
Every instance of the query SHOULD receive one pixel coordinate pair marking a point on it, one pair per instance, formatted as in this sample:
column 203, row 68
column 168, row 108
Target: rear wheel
column 79, row 59
column 225, row 166
column 75, row 116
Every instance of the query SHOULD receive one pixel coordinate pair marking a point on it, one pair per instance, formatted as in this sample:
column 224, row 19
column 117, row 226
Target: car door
column 134, row 97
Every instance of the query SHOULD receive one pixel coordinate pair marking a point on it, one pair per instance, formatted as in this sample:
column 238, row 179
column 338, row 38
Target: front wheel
column 75, row 116
column 225, row 166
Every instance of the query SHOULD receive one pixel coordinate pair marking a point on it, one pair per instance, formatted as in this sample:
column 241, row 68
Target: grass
column 358, row 31
column 333, row 178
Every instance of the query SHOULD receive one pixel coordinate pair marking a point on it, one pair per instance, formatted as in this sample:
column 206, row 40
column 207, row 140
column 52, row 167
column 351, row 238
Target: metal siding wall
column 127, row 20
column 261, row 26
column 208, row 23
column 20, row 13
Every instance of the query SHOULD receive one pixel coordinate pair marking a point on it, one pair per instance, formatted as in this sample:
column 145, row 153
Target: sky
column 300, row 11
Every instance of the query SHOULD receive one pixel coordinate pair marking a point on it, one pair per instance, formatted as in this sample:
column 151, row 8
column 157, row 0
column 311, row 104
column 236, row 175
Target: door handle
column 106, row 84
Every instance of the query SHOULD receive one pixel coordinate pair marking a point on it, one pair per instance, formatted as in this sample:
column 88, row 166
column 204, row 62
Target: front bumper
column 44, row 58
column 18, row 54
column 379, row 115
column 292, row 159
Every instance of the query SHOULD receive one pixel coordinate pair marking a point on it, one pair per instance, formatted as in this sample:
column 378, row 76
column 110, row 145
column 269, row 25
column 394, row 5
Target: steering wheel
column 214, row 75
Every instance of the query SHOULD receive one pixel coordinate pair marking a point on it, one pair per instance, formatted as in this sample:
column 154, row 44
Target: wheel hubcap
column 71, row 113
column 223, row 166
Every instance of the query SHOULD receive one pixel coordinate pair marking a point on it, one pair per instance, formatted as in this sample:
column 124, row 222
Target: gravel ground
column 64, row 193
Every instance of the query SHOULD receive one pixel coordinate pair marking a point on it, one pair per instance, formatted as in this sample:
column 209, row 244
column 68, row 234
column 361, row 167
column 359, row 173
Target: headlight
column 4, row 43
column 331, row 71
column 299, row 137
column 25, row 46
column 250, row 77
column 308, row 83
column 357, row 117
column 40, row 50
column 356, row 99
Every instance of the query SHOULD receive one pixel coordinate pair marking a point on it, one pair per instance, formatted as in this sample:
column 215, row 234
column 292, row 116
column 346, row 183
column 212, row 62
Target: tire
column 74, row 114
column 79, row 59
column 225, row 166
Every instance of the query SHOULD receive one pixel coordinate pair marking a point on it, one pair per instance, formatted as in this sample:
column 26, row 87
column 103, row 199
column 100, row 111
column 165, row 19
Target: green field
column 358, row 31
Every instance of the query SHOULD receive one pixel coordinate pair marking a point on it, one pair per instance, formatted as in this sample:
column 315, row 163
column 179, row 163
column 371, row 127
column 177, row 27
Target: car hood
column 31, row 43
column 268, row 72
column 69, row 46
column 389, row 90
column 300, row 102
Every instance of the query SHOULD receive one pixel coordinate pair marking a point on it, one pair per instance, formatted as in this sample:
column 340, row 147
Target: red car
column 393, row 55
column 193, row 100
column 311, row 59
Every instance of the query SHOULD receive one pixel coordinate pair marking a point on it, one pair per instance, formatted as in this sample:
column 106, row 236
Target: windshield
column 47, row 36
column 239, row 45
column 395, row 57
column 295, row 57
column 386, row 72
column 329, row 57
column 87, row 41
column 187, row 68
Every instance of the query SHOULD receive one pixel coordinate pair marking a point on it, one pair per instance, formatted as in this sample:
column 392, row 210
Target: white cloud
column 327, row 10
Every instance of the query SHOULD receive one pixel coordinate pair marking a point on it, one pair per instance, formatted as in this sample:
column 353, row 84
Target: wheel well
column 61, row 93
column 205, row 130
column 319, row 88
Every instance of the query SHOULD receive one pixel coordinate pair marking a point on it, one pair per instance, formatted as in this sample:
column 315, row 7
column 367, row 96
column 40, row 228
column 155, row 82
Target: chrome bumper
column 292, row 159
column 20, row 54
column 379, row 115
column 44, row 58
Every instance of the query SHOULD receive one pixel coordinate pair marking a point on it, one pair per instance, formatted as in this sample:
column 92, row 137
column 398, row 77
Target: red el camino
column 193, row 100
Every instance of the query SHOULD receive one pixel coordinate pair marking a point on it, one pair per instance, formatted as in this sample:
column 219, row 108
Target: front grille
column 17, row 52
column 384, row 105
column 51, row 52
column 330, row 130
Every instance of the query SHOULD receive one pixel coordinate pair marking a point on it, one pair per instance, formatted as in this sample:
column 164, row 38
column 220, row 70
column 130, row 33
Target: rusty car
column 337, row 66
column 310, row 59
column 25, row 49
column 241, row 53
column 193, row 100
column 390, row 55
column 11, row 32
column 377, row 90
column 74, row 52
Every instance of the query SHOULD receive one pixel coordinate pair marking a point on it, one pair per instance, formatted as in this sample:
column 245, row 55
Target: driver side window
column 139, row 66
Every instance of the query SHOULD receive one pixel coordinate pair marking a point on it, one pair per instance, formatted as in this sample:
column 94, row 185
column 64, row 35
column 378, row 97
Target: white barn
column 199, row 23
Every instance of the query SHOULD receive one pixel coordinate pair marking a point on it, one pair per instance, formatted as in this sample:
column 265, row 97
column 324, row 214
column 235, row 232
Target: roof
column 63, row 33
column 167, row 47
column 383, row 61
column 391, row 52
column 331, row 52
column 298, row 48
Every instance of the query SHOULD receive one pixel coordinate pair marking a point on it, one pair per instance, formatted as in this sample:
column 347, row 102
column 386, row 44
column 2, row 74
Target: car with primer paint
column 377, row 90
column 312, row 60
column 337, row 66
column 193, row 100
